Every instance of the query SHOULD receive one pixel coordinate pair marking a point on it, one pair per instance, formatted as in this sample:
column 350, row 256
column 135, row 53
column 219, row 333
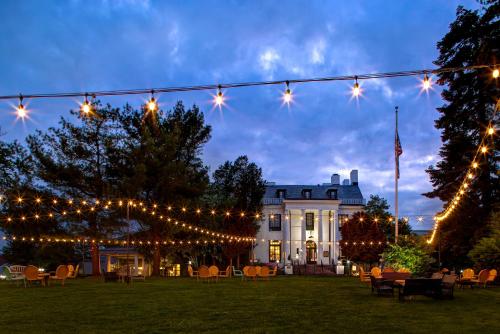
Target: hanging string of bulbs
column 219, row 97
column 165, row 242
column 468, row 178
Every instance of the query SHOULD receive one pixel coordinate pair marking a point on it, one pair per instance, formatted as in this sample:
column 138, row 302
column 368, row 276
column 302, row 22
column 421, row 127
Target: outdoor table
column 45, row 277
column 400, row 282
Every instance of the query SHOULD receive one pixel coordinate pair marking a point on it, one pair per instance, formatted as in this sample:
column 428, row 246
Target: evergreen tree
column 162, row 164
column 238, row 186
column 75, row 161
column 470, row 98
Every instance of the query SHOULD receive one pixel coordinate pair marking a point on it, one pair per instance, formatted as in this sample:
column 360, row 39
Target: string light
column 21, row 110
column 152, row 104
column 287, row 95
column 85, row 107
column 356, row 90
column 219, row 98
column 455, row 200
column 495, row 73
column 426, row 83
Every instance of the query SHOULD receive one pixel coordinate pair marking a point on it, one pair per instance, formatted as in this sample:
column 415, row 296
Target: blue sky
column 55, row 46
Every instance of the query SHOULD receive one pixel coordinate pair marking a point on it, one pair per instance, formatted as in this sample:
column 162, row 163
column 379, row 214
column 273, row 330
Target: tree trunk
column 156, row 261
column 238, row 261
column 94, row 253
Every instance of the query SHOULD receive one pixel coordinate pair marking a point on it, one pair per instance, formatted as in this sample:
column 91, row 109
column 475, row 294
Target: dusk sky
column 56, row 46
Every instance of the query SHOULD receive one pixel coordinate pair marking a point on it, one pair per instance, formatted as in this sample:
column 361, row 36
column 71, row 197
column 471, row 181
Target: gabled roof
column 317, row 191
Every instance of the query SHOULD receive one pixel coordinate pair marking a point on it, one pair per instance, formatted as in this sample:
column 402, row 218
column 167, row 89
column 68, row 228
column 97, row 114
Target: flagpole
column 396, row 176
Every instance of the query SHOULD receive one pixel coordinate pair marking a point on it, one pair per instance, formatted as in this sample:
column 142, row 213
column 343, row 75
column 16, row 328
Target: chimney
column 354, row 177
column 345, row 182
column 335, row 179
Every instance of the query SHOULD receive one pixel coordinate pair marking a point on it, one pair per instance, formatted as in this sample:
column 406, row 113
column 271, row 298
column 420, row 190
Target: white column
column 335, row 226
column 320, row 235
column 286, row 234
column 136, row 265
column 303, row 233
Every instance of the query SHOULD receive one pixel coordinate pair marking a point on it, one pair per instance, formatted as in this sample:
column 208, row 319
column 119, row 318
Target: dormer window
column 306, row 193
column 281, row 193
column 332, row 193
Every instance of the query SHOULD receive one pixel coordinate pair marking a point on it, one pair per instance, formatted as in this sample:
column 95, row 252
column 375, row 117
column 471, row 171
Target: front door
column 311, row 252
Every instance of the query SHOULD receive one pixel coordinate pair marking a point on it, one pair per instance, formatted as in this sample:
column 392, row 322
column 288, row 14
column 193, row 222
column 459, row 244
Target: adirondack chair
column 376, row 272
column 31, row 274
column 225, row 273
column 73, row 272
column 481, row 279
column 264, row 272
column 9, row 276
column 214, row 272
column 491, row 277
column 204, row 273
column 237, row 272
column 61, row 274
column 192, row 273
column 363, row 276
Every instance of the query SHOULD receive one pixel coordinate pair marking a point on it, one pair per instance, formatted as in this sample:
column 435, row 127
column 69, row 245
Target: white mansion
column 301, row 222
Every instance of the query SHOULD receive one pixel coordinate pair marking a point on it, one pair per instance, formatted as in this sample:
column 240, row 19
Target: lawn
column 282, row 305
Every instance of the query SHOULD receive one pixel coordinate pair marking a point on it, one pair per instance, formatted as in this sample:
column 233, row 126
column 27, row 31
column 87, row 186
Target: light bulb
column 356, row 90
column 474, row 164
column 484, row 149
column 152, row 105
column 21, row 110
column 85, row 107
column 491, row 130
column 495, row 73
column 219, row 98
column 287, row 95
column 426, row 84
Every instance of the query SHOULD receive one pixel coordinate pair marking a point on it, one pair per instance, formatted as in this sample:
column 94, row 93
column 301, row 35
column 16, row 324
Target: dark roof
column 317, row 191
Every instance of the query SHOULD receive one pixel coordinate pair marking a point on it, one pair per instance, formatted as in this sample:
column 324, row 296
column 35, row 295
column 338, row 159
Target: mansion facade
column 301, row 222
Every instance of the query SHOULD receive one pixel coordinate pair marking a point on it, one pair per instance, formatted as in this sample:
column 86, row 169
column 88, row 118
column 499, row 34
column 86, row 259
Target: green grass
column 282, row 305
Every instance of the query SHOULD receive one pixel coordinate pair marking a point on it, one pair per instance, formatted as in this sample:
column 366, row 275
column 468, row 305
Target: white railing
column 345, row 201
column 353, row 201
column 272, row 201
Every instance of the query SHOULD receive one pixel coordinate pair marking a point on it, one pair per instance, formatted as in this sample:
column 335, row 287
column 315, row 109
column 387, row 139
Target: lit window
column 274, row 250
column 310, row 221
column 275, row 222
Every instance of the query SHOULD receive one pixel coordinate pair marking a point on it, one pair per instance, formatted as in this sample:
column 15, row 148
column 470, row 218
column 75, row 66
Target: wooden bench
column 421, row 286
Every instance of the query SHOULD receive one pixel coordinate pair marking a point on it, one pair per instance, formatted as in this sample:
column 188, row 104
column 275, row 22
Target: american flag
column 398, row 150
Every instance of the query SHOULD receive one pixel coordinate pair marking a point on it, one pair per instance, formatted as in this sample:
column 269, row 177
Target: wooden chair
column 245, row 271
column 192, row 273
column 61, row 274
column 17, row 269
column 257, row 269
column 264, row 273
column 481, row 279
column 31, row 275
column 363, row 276
column 73, row 272
column 237, row 273
column 251, row 273
column 204, row 273
column 214, row 272
column 9, row 276
column 376, row 272
column 468, row 274
column 492, row 275
column 225, row 273
column 273, row 272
